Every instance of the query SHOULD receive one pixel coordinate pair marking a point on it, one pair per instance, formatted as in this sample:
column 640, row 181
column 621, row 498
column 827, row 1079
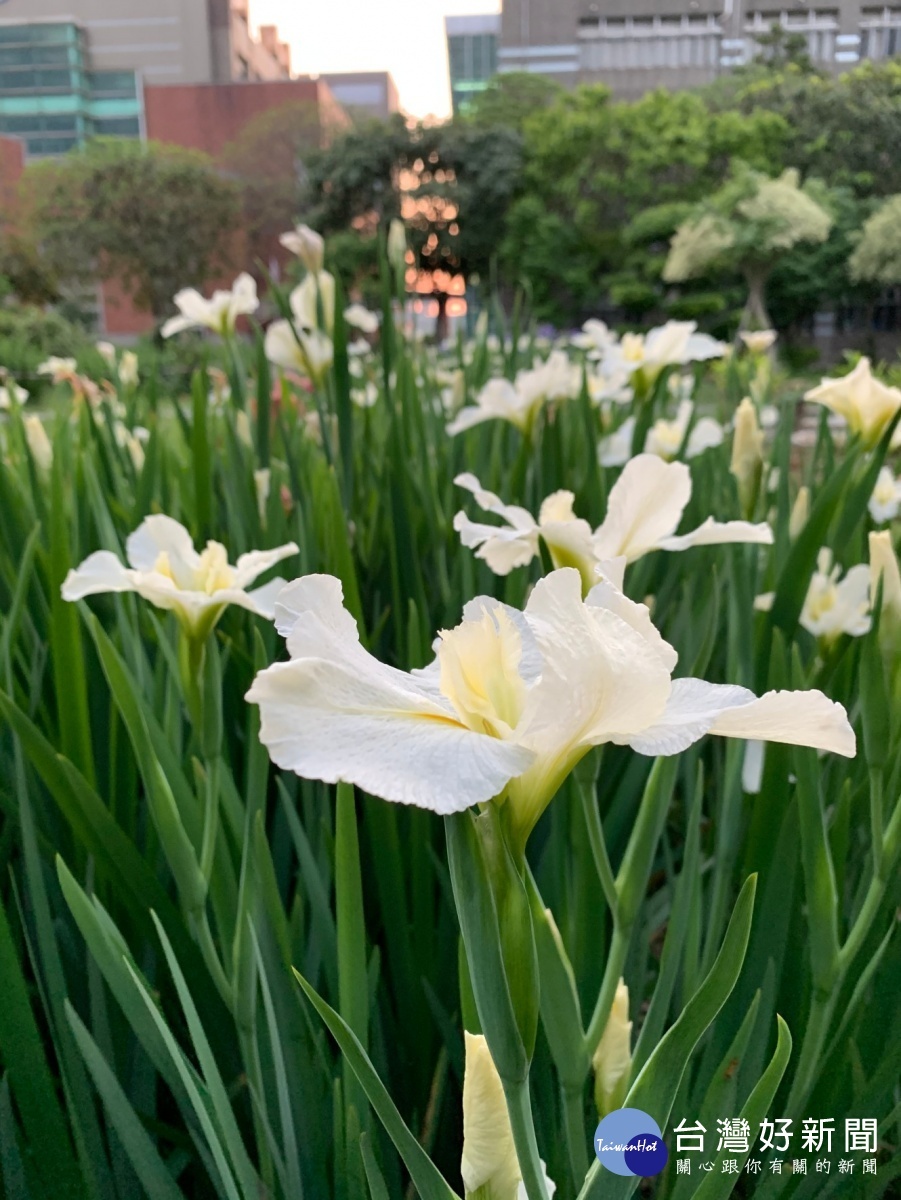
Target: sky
column 405, row 37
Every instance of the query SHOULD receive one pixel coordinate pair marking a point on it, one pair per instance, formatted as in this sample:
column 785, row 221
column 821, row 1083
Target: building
column 372, row 93
column 636, row 45
column 209, row 116
column 12, row 162
column 471, row 55
column 73, row 69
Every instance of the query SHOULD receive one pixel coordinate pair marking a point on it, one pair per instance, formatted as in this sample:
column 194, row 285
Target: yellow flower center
column 212, row 573
column 632, row 347
column 479, row 672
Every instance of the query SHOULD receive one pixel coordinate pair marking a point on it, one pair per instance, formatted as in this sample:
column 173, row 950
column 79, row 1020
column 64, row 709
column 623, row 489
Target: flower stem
column 811, row 1049
column 616, row 959
column 519, row 1106
column 574, row 1126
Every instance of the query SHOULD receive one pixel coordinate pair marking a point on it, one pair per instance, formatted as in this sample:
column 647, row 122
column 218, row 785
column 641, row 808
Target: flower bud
column 489, row 1166
column 612, row 1061
column 38, row 443
column 397, row 244
column 747, row 456
column 800, row 512
column 307, row 244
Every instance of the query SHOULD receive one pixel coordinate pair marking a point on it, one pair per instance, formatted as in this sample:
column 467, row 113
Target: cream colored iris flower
column 307, row 244
column 219, row 313
column 676, row 343
column 511, row 703
column 867, row 404
column 644, row 510
column 665, row 438
column 308, row 351
column 11, row 393
column 489, row 1165
column 519, row 403
column 165, row 569
column 833, row 605
column 885, row 502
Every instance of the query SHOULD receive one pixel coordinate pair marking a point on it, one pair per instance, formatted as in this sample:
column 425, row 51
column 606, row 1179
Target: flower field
column 412, row 755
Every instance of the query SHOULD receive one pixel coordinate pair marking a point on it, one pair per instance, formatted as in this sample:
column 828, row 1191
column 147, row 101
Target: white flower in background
column 512, row 702
column 833, row 605
column 11, row 393
column 58, row 370
column 262, row 483
column 132, row 441
column 38, row 443
column 884, row 569
column 307, row 244
column 595, row 337
column 885, row 502
column 674, row 344
column 362, row 318
column 366, row 396
column 165, row 569
column 128, row 368
column 615, row 389
column 309, row 351
column 867, row 404
column 758, row 341
column 665, row 437
column 220, row 313
column 315, row 290
column 107, row 352
column 500, row 400
column 612, row 1060
column 615, row 449
column 644, row 510
column 489, row 1165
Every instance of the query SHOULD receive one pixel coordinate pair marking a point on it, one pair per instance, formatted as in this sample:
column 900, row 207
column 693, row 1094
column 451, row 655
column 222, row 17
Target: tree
column 269, row 163
column 746, row 225
column 510, row 99
column 592, row 166
column 877, row 257
column 155, row 217
column 452, row 184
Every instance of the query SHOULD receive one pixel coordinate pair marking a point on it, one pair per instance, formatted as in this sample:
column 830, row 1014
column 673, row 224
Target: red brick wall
column 209, row 116
column 12, row 161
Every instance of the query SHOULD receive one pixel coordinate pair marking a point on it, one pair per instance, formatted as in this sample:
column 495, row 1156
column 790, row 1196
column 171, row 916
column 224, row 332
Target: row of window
column 26, row 35
column 97, row 84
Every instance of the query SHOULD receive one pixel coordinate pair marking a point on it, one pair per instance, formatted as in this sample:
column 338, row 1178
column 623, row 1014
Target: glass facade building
column 52, row 100
column 472, row 55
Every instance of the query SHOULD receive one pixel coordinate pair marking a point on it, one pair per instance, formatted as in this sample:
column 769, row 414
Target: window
column 119, row 85
column 117, row 127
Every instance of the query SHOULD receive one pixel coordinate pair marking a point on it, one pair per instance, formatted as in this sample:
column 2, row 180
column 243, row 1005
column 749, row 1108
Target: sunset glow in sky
column 405, row 37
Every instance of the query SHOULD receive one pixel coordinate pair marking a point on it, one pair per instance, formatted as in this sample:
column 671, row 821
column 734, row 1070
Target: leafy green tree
column 452, row 184
column 510, row 99
column 877, row 257
column 592, row 166
column 155, row 217
column 747, row 225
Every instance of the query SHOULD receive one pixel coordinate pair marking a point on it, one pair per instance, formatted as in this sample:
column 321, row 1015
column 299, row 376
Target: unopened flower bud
column 747, row 456
column 800, row 512
column 397, row 244
column 612, row 1061
column 307, row 244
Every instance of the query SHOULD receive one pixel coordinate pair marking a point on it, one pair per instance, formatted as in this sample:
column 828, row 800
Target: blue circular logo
column 629, row 1142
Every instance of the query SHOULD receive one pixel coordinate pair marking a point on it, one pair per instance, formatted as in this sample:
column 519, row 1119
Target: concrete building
column 372, row 93
column 72, row 69
column 472, row 44
column 636, row 45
